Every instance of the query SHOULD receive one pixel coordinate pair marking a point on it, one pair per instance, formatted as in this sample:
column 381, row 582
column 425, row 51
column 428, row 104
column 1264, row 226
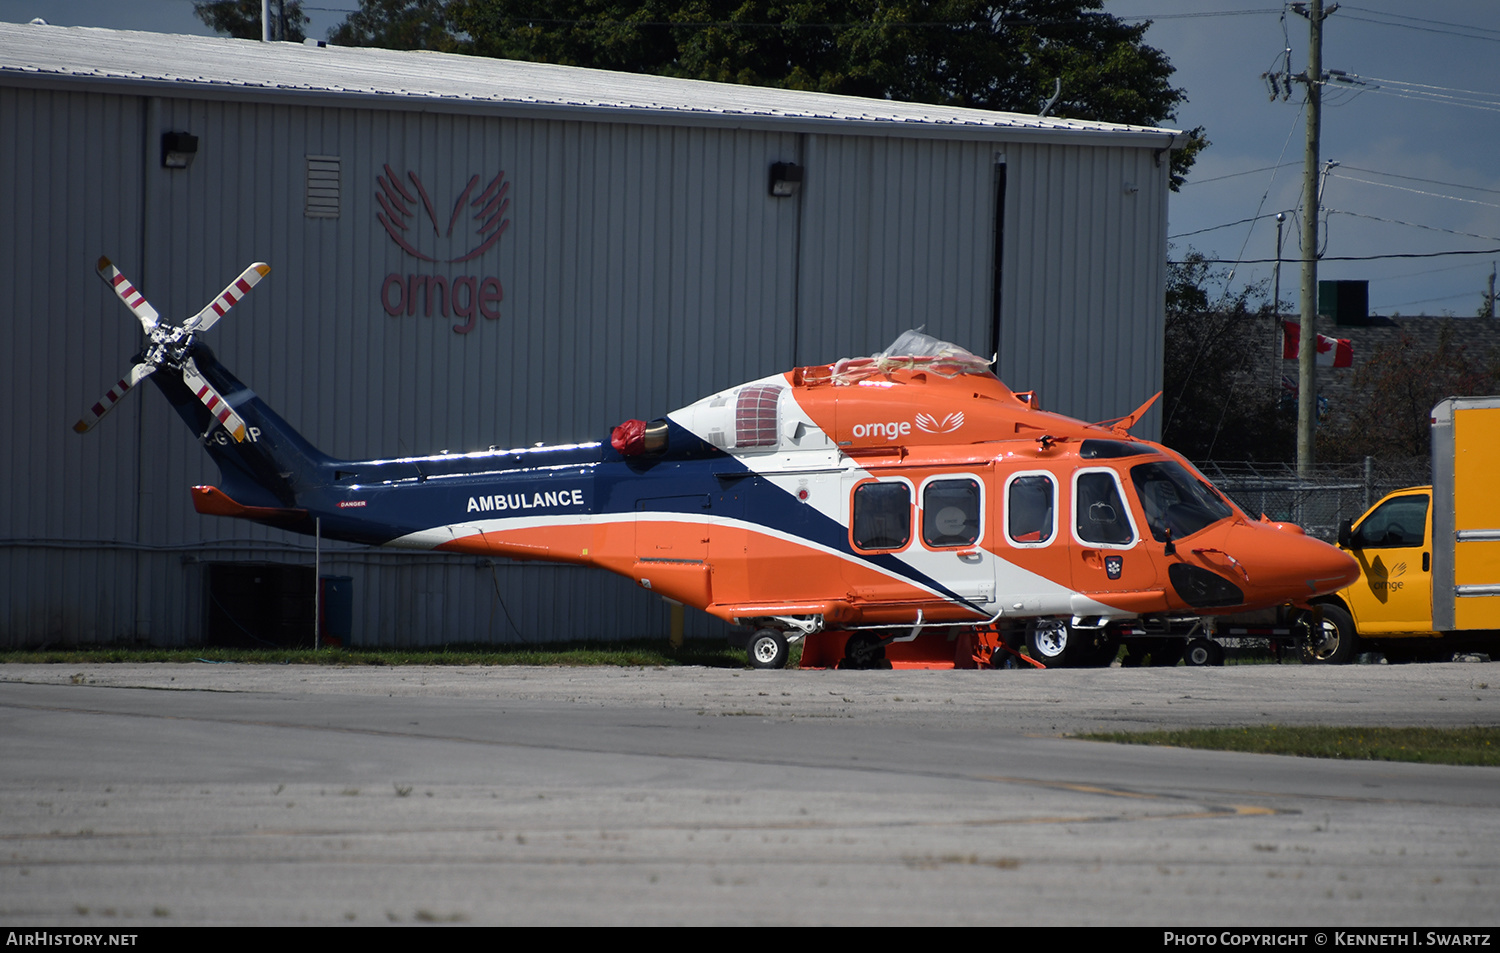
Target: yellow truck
column 1429, row 556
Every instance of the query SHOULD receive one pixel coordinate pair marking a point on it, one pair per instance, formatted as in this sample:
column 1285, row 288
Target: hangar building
column 645, row 258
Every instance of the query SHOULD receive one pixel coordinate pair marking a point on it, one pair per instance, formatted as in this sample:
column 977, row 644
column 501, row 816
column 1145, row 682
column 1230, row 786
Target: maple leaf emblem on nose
column 930, row 424
column 402, row 203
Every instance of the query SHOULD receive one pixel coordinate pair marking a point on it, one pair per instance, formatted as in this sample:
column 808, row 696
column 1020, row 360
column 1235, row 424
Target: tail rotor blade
column 213, row 400
column 127, row 293
column 237, row 289
column 115, row 394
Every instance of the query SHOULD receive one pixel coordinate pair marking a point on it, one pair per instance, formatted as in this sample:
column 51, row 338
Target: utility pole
column 1276, row 348
column 1307, row 398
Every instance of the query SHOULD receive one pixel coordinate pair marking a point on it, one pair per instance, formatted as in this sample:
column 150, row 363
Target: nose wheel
column 767, row 649
column 1049, row 641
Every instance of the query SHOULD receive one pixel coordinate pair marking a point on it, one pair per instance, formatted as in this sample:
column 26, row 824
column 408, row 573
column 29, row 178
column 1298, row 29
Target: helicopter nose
column 1286, row 565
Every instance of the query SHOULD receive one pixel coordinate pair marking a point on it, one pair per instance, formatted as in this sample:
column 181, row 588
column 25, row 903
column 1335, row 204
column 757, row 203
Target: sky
column 1416, row 135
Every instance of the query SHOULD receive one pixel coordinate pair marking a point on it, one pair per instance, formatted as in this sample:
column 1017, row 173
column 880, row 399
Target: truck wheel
column 767, row 649
column 1049, row 641
column 1336, row 644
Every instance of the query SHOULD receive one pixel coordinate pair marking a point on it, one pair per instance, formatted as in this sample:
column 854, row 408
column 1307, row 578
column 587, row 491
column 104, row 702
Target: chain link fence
column 1334, row 492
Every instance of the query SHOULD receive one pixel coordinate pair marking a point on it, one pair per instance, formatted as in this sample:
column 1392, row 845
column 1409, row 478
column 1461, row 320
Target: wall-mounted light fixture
column 178, row 149
column 786, row 179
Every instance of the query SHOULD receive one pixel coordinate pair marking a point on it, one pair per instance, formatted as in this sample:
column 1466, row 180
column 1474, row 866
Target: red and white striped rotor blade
column 116, row 393
column 213, row 400
column 127, row 292
column 237, row 289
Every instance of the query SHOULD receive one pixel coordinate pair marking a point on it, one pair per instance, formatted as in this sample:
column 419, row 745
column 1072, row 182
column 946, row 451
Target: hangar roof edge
column 32, row 54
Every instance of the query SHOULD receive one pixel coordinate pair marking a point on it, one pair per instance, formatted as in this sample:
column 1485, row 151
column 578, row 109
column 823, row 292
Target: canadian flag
column 1332, row 352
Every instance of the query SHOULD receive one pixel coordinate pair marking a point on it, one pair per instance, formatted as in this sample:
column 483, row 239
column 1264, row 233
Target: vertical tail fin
column 272, row 464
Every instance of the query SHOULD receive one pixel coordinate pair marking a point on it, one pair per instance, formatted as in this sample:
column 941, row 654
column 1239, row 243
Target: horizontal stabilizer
column 212, row 501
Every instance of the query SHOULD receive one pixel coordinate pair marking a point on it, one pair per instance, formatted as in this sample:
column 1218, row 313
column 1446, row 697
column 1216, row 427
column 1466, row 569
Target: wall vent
column 322, row 187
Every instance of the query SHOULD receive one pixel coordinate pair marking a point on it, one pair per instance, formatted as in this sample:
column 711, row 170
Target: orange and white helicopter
column 904, row 508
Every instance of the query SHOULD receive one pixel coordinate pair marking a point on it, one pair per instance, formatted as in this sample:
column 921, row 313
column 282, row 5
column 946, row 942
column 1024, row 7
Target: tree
column 1004, row 55
column 397, row 25
column 1213, row 405
column 241, row 18
column 1395, row 390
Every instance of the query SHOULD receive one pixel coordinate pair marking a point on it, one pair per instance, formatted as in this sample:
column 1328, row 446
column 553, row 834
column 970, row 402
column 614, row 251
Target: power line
column 1392, row 221
column 1412, row 178
column 1402, row 188
column 1266, row 168
column 1394, row 255
column 1402, row 89
column 1424, row 21
column 1465, row 30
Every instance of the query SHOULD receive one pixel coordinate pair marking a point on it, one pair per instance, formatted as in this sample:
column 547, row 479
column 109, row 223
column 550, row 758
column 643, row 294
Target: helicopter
column 904, row 509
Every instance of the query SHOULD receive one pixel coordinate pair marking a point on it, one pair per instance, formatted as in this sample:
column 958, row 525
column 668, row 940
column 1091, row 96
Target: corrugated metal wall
column 643, row 266
column 1085, row 278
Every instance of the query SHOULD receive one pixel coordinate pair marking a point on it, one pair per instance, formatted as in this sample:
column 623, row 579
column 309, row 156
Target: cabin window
column 950, row 513
column 1395, row 524
column 1030, row 504
column 882, row 515
column 1099, row 511
column 1177, row 503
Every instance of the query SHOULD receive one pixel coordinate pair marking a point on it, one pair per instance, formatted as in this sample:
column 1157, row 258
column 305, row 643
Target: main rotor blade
column 213, row 400
column 127, row 293
column 107, row 403
column 237, row 289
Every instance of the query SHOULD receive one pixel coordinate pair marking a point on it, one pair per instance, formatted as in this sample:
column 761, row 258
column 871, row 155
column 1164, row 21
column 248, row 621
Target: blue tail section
column 274, row 465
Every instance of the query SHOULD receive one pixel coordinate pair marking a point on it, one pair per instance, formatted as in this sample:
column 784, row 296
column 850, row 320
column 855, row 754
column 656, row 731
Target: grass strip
column 1470, row 746
column 626, row 654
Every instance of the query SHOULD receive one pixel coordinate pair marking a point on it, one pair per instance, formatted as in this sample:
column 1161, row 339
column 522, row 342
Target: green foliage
column 1394, row 392
column 397, row 25
column 1213, row 408
column 241, row 18
column 987, row 54
column 1479, row 746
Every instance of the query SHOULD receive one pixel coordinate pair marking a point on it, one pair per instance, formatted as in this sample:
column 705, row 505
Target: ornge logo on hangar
column 457, row 236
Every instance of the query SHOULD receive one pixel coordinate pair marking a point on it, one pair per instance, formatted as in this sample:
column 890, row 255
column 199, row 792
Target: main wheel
column 1334, row 642
column 1200, row 652
column 864, row 650
column 1049, row 641
column 1166, row 653
column 767, row 649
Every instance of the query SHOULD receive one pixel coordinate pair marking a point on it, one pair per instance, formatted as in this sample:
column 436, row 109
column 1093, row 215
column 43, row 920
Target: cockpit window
column 1177, row 504
column 1099, row 513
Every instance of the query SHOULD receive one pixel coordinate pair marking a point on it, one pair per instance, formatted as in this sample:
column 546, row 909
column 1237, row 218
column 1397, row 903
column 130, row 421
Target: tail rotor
column 171, row 346
column 112, row 397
